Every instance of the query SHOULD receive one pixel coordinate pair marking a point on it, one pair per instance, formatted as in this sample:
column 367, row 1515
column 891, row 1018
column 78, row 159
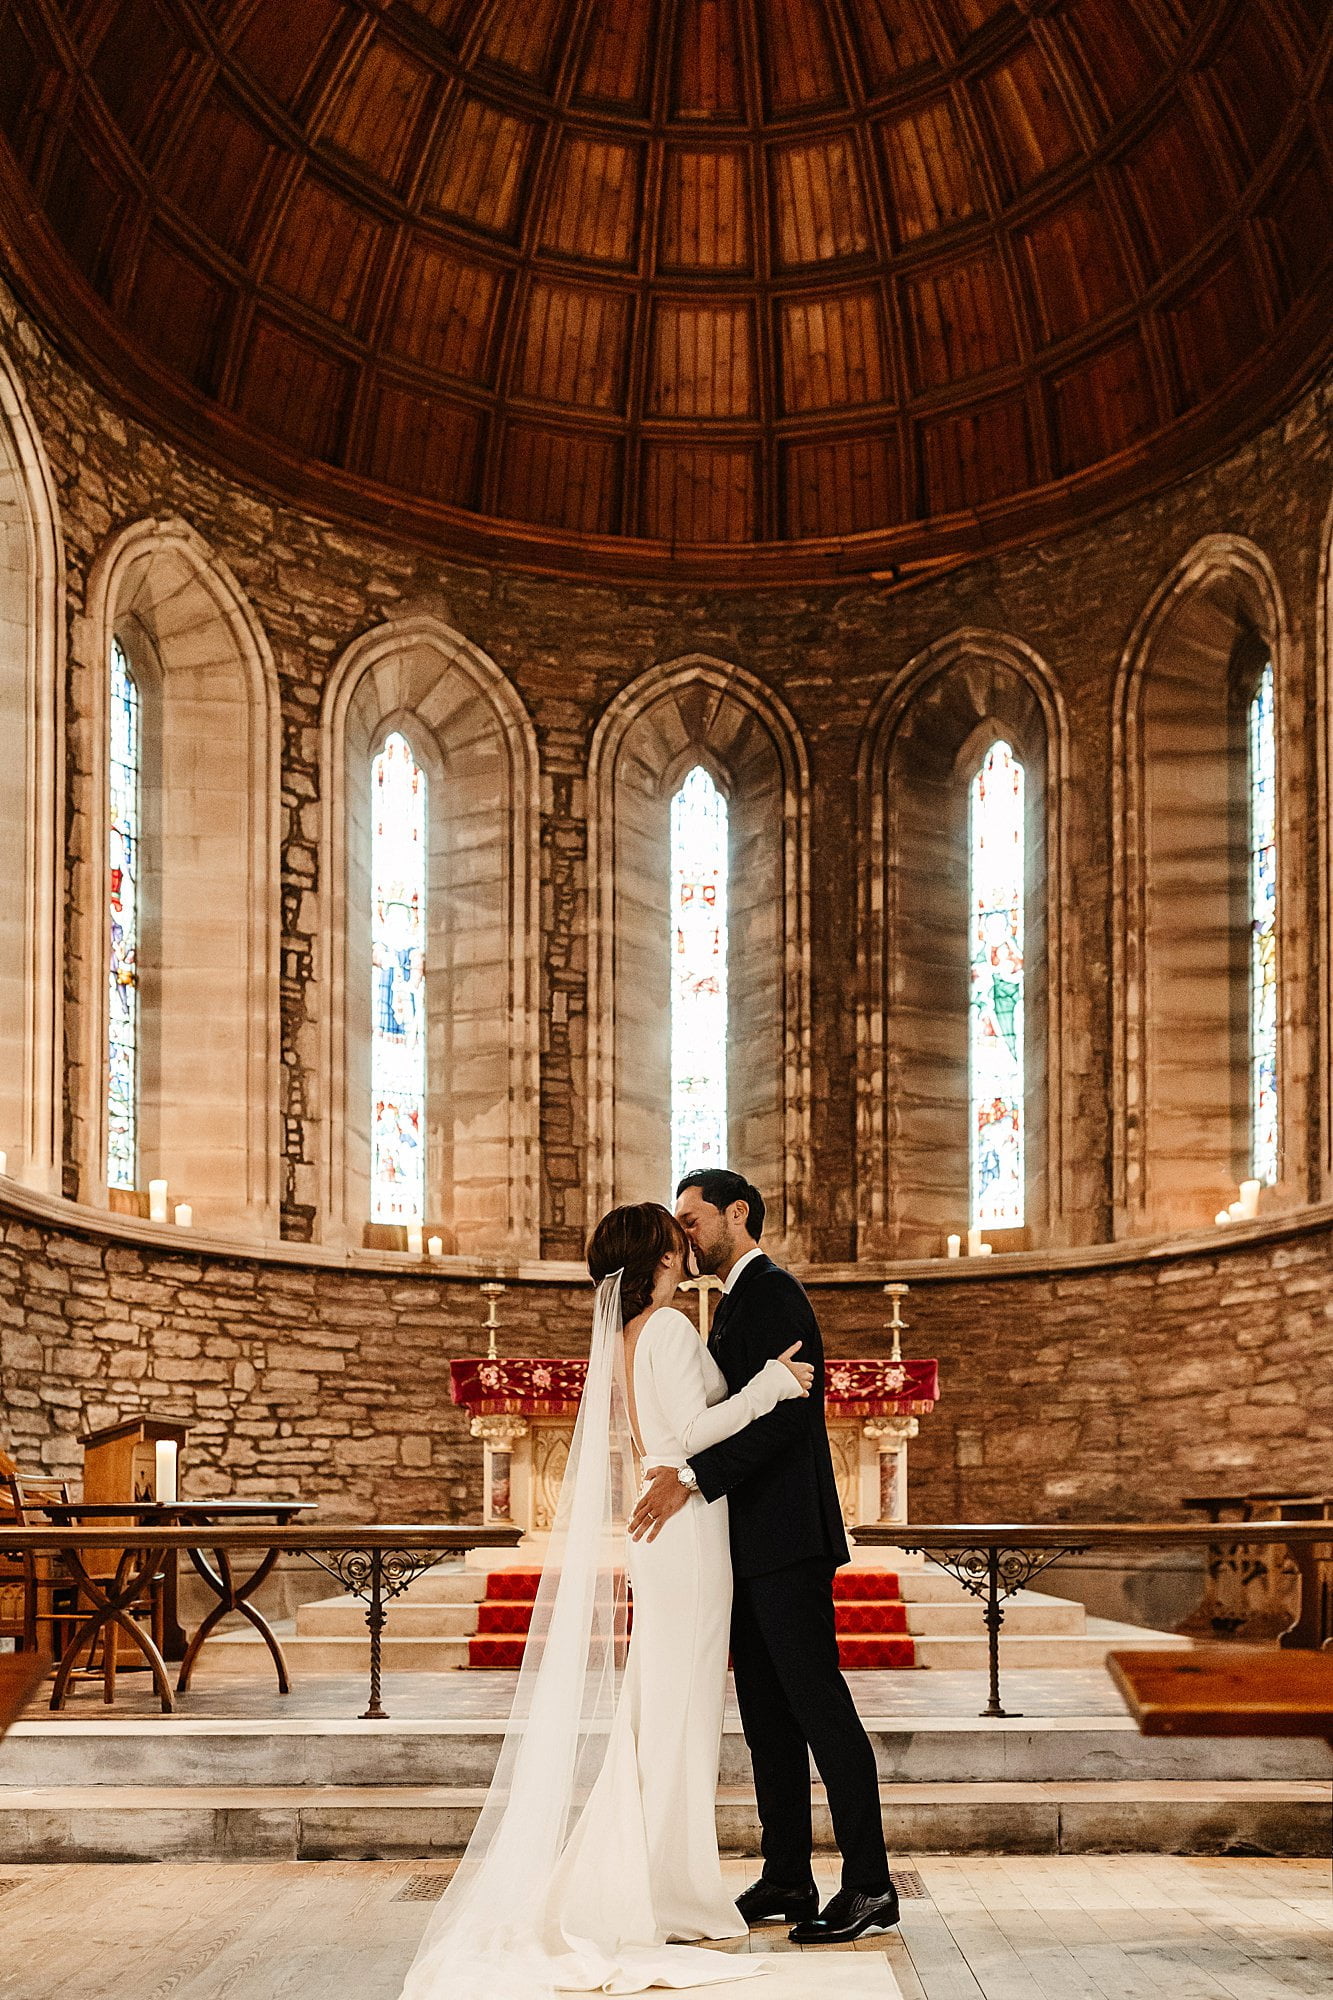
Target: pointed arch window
column 995, row 1024
column 124, row 789
column 398, row 984
column 1263, row 932
column 699, row 885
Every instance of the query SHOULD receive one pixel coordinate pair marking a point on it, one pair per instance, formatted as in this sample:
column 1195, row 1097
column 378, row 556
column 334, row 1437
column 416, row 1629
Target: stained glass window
column 1263, row 933
column 123, row 898
column 698, row 975
column 398, row 992
column 995, row 1023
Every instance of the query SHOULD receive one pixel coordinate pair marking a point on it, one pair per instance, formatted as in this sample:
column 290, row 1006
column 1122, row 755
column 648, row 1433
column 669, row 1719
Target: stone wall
column 829, row 653
column 1103, row 1388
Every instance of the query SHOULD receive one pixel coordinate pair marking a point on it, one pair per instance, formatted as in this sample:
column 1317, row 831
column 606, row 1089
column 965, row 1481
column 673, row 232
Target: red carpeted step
column 875, row 1620
column 877, row 1653
column 493, row 1617
column 495, row 1652
column 516, row 1586
column 866, row 1584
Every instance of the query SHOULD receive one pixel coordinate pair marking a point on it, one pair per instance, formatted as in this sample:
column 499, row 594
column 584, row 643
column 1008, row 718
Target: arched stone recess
column 209, row 1065
column 1322, row 1053
column 923, row 745
column 472, row 735
column 31, row 797
column 1180, row 897
column 692, row 711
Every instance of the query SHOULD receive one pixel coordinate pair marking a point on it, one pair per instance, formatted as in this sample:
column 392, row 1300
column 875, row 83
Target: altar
column 523, row 1412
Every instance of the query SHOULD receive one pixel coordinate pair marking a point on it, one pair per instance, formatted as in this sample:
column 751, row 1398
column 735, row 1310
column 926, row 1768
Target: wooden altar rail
column 374, row 1561
column 993, row 1560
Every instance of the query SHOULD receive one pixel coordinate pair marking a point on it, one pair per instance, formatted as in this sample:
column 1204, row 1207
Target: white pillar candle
column 165, row 1480
column 157, row 1201
column 184, row 1215
column 1222, row 1217
column 1249, row 1198
column 986, row 1250
column 435, row 1245
column 955, row 1246
column 974, row 1242
column 4, row 1163
column 1236, row 1211
column 414, row 1238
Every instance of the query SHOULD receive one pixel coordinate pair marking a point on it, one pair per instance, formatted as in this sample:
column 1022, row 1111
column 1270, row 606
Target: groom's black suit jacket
column 778, row 1471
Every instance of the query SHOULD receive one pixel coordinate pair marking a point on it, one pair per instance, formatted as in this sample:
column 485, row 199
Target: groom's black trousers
column 795, row 1704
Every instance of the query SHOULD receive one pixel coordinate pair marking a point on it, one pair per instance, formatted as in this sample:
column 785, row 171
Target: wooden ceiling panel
column 843, row 486
column 424, row 444
column 972, row 457
column 798, row 62
column 445, row 310
column 960, row 321
column 559, row 479
column 1032, row 128
column 376, row 115
column 698, row 493
column 832, row 351
column 930, row 171
column 322, row 251
column 701, row 361
column 819, row 210
column 1074, row 268
column 709, row 66
column 1104, row 405
column 572, row 348
column 689, row 289
column 217, row 179
column 295, row 389
column 706, row 211
column 479, row 165
column 593, row 210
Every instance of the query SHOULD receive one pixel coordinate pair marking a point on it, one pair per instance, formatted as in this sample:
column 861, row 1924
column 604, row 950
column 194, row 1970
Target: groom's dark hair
column 720, row 1187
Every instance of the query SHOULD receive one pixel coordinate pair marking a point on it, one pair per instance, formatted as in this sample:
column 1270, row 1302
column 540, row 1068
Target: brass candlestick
column 492, row 1291
column 703, row 1285
column 897, row 1326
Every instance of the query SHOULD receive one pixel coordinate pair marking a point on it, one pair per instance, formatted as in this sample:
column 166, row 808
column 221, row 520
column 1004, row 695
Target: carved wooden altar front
column 523, row 1412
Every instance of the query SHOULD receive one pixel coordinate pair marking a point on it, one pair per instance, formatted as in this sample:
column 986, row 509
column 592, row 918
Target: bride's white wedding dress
column 598, row 1846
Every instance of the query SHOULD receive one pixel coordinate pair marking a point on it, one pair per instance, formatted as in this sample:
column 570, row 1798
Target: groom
column 786, row 1542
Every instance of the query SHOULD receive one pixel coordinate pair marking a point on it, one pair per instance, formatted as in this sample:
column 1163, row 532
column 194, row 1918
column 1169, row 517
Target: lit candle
column 164, row 1484
column 1249, row 1198
column 414, row 1238
column 986, row 1250
column 184, row 1215
column 1222, row 1218
column 157, row 1201
column 955, row 1244
column 974, row 1242
column 435, row 1245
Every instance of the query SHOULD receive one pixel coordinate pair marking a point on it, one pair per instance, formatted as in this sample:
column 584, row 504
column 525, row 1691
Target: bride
column 597, row 1845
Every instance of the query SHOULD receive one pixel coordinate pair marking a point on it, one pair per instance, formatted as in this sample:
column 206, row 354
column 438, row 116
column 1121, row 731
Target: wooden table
column 135, row 1570
column 1227, row 1691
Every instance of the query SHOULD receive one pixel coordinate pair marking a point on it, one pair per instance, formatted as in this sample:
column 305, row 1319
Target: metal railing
column 374, row 1562
column 993, row 1560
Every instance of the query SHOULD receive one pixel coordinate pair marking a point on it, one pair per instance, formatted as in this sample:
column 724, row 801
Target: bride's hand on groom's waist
column 663, row 1496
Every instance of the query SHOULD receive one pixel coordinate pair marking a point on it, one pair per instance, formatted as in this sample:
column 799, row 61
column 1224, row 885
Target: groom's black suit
column 786, row 1542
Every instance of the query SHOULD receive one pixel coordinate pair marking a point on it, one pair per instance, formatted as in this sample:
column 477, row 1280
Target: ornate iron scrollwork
column 376, row 1575
column 992, row 1572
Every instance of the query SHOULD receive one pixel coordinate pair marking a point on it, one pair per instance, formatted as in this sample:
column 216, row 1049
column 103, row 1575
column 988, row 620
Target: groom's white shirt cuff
column 738, row 1267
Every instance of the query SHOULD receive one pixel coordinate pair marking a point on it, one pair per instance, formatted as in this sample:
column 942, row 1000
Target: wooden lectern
column 121, row 1462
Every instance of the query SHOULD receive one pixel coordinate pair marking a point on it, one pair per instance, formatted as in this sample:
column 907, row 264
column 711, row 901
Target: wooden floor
column 1045, row 1928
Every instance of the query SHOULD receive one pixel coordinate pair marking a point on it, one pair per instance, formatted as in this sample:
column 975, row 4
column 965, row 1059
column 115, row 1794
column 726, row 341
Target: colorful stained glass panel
column 698, row 975
column 398, row 985
column 123, row 900
column 1263, row 934
column 995, row 1020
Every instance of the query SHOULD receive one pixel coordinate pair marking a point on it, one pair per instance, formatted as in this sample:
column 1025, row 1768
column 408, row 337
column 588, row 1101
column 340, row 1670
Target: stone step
column 86, row 1751
column 375, row 1822
column 951, row 1654
column 345, row 1618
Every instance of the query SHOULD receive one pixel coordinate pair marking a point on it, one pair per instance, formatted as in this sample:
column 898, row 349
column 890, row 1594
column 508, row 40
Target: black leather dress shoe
column 766, row 1903
column 850, row 1915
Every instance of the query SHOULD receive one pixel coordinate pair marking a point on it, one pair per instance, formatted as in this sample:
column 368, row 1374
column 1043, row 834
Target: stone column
column 499, row 1435
column 891, row 1436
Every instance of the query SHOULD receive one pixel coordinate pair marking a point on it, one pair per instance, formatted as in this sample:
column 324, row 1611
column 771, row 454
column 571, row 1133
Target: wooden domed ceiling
column 682, row 288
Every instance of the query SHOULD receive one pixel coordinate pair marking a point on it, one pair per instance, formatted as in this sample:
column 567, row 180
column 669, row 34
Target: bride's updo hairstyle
column 634, row 1240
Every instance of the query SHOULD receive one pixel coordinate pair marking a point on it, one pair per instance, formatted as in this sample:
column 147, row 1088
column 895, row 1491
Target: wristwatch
column 685, row 1474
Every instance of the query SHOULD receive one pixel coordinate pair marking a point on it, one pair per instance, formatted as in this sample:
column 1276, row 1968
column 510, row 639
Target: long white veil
column 490, row 1933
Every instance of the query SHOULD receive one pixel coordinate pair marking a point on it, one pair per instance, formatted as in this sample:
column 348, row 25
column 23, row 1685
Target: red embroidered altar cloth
column 521, row 1386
